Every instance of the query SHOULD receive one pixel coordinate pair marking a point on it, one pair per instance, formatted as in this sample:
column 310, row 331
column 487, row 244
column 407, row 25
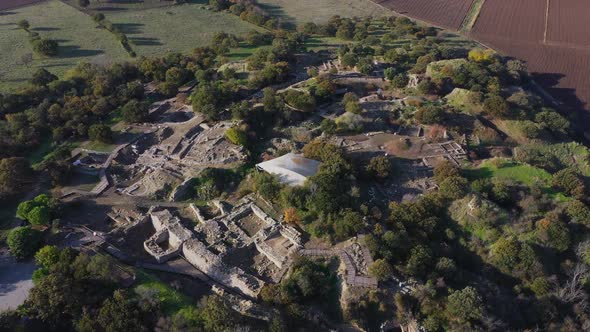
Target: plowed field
column 568, row 23
column 552, row 36
column 446, row 13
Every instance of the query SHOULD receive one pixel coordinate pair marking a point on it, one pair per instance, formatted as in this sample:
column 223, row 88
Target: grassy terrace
column 79, row 40
column 178, row 28
column 298, row 12
column 522, row 173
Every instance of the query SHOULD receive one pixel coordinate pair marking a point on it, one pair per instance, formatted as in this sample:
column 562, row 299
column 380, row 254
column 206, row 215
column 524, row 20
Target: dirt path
column 15, row 281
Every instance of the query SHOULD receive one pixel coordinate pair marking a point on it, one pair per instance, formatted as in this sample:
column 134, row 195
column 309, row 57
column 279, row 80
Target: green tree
column 47, row 47
column 267, row 185
column 23, row 24
column 454, row 187
column 430, row 115
column 497, row 106
column 39, row 215
column 23, row 242
column 15, row 173
column 379, row 167
column 578, row 212
column 381, row 270
column 353, row 107
column 348, row 224
column 100, row 133
column 217, row 315
column 135, row 111
column 23, row 209
column 465, row 305
column 42, row 77
column 120, row 313
column 445, row 169
column 176, row 76
column 47, row 256
column 570, row 181
column 237, row 136
column 419, row 261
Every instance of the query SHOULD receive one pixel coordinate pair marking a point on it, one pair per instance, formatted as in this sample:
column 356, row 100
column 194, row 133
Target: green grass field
column 170, row 299
column 79, row 40
column 523, row 173
column 298, row 12
column 178, row 28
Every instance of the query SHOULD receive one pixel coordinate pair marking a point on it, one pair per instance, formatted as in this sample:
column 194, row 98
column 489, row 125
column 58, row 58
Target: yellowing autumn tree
column 291, row 216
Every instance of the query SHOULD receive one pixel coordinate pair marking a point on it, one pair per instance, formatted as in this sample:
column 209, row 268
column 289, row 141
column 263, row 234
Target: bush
column 36, row 211
column 497, row 106
column 379, row 167
column 23, row 242
column 381, row 270
column 430, row 115
column 300, row 100
column 45, row 47
column 237, row 136
column 135, row 111
column 569, row 181
column 100, row 133
column 267, row 185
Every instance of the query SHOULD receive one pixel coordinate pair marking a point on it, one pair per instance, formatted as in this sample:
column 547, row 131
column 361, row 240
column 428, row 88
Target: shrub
column 379, row 167
column 100, row 133
column 23, row 241
column 135, row 111
column 45, row 47
column 237, row 136
column 496, row 106
column 381, row 270
column 569, row 181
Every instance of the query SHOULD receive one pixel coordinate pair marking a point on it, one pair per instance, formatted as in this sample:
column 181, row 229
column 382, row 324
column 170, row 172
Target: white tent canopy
column 292, row 169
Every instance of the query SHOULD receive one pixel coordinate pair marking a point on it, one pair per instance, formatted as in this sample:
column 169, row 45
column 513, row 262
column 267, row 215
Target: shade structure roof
column 292, row 169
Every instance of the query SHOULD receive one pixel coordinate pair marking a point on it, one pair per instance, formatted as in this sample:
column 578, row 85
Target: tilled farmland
column 568, row 23
column 446, row 13
column 10, row 4
column 551, row 36
column 553, row 41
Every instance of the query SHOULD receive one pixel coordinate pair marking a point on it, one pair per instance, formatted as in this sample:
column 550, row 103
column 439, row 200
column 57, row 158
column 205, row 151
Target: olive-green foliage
column 496, row 106
column 569, row 181
column 23, row 242
column 381, row 270
column 578, row 212
column 100, row 133
column 134, row 111
column 15, row 172
column 300, row 100
column 267, row 185
column 37, row 211
column 430, row 115
column 465, row 305
column 512, row 256
column 379, row 167
column 237, row 136
column 308, row 281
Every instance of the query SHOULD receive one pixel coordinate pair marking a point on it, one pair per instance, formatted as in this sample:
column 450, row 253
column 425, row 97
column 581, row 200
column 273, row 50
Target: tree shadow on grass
column 110, row 9
column 45, row 29
column 145, row 41
column 77, row 52
column 286, row 21
column 130, row 28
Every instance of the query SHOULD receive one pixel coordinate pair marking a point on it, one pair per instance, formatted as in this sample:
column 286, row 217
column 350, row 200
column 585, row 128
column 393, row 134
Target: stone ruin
column 180, row 152
column 241, row 249
column 356, row 259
